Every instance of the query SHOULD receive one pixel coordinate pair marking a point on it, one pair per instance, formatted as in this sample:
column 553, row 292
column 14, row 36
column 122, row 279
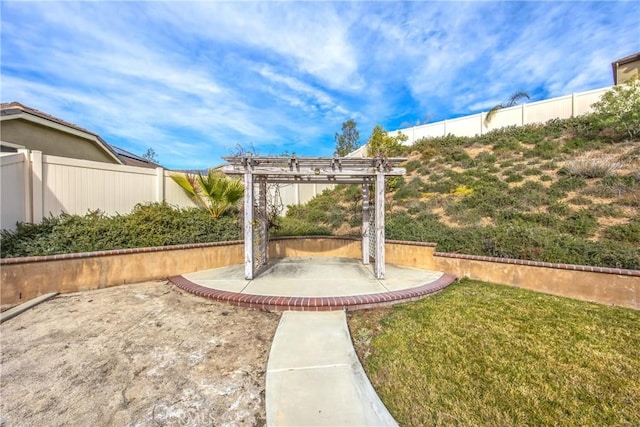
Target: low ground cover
column 567, row 191
column 484, row 354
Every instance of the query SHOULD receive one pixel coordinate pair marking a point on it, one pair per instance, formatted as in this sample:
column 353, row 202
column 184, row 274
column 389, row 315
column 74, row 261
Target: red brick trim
column 282, row 303
column 60, row 257
column 409, row 243
column 605, row 270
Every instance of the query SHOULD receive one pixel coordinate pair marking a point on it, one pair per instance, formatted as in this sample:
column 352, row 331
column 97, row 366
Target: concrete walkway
column 314, row 377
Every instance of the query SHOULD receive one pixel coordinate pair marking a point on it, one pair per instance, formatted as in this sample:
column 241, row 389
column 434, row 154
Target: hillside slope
column 567, row 191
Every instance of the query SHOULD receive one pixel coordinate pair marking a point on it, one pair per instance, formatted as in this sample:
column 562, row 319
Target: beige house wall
column 52, row 141
column 626, row 71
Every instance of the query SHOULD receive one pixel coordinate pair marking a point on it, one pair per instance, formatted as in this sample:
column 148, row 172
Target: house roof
column 622, row 61
column 130, row 159
column 9, row 110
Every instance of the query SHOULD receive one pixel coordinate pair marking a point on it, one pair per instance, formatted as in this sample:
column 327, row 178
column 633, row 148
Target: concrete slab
column 313, row 277
column 314, row 377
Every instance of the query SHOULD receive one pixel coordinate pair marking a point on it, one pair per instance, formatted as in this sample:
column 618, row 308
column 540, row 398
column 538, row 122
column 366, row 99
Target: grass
column 484, row 354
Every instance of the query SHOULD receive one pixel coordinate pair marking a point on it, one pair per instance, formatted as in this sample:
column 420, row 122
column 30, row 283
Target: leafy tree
column 513, row 100
column 348, row 140
column 213, row 191
column 619, row 108
column 151, row 155
column 382, row 144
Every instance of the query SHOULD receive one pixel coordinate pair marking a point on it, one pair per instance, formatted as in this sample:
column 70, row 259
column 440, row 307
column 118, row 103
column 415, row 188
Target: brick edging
column 60, row 257
column 281, row 303
column 574, row 267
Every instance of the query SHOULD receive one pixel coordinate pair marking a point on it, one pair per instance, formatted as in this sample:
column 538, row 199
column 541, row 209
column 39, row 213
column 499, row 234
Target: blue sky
column 194, row 79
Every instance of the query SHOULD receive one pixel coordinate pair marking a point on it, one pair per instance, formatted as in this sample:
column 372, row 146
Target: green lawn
column 485, row 354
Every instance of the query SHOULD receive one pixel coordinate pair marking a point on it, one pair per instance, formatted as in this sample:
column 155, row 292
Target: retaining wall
column 27, row 278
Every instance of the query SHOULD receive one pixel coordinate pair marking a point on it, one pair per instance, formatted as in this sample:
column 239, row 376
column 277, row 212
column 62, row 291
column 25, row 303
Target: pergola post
column 366, row 214
column 379, row 212
column 248, row 226
column 264, row 222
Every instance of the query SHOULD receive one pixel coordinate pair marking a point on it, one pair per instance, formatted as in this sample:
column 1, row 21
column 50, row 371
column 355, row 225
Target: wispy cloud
column 193, row 79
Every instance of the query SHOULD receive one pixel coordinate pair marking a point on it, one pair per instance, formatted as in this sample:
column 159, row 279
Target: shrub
column 629, row 232
column 568, row 183
column 514, row 177
column 290, row 226
column 591, row 167
column 155, row 224
column 580, row 201
column 619, row 109
column 411, row 190
column 581, row 223
column 412, row 165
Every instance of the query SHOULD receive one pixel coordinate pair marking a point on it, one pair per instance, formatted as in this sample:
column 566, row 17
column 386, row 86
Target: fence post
column 26, row 179
column 160, row 185
column 37, row 201
column 573, row 104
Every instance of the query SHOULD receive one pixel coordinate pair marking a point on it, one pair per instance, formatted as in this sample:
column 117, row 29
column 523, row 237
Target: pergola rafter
column 314, row 170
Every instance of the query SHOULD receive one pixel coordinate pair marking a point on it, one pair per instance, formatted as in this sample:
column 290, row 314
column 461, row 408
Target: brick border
column 574, row 267
column 282, row 303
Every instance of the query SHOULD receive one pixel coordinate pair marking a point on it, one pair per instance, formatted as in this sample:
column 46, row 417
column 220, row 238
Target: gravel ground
column 142, row 354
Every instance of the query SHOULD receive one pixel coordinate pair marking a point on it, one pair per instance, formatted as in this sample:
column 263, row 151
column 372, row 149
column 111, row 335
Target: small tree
column 213, row 191
column 513, row 100
column 348, row 140
column 619, row 109
column 382, row 144
column 151, row 155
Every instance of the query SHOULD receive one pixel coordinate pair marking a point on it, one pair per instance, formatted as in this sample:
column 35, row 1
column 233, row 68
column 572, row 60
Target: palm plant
column 513, row 100
column 213, row 191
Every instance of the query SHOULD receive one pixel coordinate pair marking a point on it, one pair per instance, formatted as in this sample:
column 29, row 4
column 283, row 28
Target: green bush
column 290, row 226
column 581, row 223
column 154, row 224
column 412, row 165
column 629, row 233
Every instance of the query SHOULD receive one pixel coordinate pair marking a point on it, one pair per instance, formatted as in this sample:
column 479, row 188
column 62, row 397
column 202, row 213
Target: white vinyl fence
column 562, row 107
column 35, row 186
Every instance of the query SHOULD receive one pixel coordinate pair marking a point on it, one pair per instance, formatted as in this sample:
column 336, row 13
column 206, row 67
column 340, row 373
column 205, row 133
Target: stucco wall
column 26, row 278
column 320, row 246
column 51, row 141
column 603, row 285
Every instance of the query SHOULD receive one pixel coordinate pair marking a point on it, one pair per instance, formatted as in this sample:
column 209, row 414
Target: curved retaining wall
column 26, row 278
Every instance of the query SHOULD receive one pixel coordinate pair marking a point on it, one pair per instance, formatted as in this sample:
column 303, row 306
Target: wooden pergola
column 312, row 170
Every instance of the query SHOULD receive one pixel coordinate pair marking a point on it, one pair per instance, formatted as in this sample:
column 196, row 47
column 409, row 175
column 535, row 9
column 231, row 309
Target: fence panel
column 78, row 186
column 464, row 126
column 583, row 101
column 543, row 111
column 174, row 194
column 13, row 186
